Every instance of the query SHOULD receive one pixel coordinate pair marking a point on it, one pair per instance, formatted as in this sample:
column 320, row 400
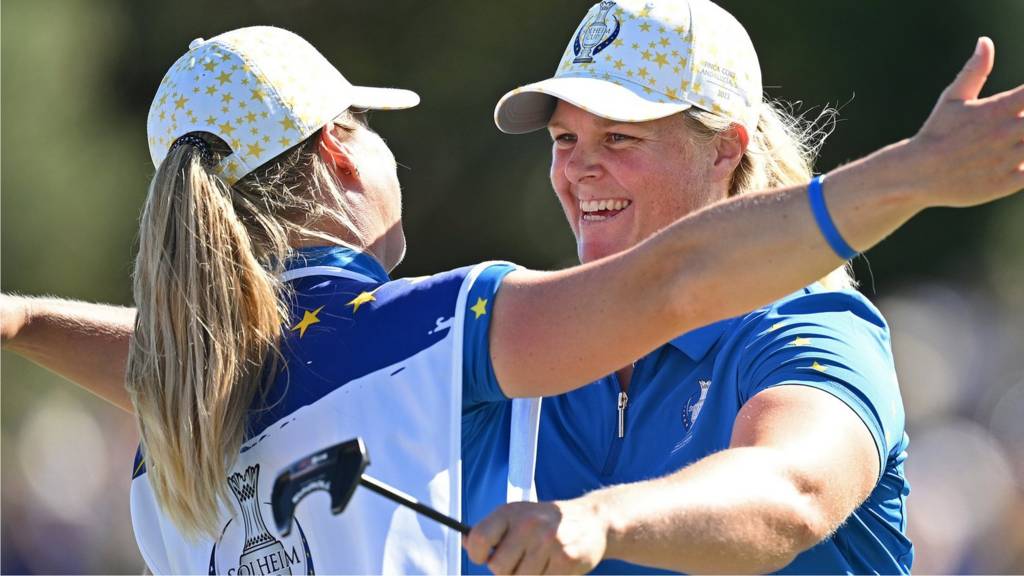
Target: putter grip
column 410, row 502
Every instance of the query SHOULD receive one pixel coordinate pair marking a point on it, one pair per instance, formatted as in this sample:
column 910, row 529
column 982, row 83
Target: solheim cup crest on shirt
column 694, row 404
column 246, row 546
column 595, row 37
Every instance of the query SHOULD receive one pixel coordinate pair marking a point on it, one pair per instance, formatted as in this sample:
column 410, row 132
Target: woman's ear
column 338, row 157
column 730, row 146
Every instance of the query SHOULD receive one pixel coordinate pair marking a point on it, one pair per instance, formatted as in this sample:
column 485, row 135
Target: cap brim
column 383, row 98
column 530, row 107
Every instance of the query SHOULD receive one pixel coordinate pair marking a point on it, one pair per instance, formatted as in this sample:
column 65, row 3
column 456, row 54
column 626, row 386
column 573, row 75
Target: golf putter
column 338, row 470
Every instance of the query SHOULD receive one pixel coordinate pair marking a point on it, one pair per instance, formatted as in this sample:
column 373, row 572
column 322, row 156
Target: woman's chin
column 591, row 251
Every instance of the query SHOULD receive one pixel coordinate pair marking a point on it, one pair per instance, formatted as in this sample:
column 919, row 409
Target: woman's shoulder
column 813, row 309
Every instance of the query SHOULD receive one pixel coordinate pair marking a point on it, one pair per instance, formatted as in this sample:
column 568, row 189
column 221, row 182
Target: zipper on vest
column 623, row 401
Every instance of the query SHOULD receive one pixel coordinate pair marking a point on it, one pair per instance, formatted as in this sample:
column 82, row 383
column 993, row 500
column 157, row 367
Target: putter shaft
column 404, row 499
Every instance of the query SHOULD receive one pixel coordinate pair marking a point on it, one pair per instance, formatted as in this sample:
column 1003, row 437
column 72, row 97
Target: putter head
column 336, row 469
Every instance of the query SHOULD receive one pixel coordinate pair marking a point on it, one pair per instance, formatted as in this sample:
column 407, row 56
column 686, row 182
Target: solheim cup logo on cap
column 594, row 37
column 247, row 547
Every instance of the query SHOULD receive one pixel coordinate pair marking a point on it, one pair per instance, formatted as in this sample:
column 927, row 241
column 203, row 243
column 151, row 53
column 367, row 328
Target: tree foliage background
column 78, row 75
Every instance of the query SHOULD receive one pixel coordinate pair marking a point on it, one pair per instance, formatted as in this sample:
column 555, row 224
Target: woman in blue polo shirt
column 772, row 441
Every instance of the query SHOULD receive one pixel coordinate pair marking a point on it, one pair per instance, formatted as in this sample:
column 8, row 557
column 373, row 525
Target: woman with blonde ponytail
column 268, row 327
column 209, row 315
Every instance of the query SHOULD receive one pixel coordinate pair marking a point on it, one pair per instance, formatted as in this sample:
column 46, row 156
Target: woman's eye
column 617, row 138
column 564, row 139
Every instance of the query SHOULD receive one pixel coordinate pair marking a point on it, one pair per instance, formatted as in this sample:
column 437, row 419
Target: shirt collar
column 697, row 343
column 340, row 257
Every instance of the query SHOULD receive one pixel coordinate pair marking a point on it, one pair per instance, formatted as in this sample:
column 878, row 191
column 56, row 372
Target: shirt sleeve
column 480, row 385
column 833, row 341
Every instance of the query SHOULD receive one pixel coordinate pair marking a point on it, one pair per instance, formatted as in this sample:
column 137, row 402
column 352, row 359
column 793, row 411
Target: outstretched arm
column 556, row 331
column 85, row 343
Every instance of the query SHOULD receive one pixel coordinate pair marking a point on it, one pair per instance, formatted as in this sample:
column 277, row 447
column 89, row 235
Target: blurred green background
column 77, row 78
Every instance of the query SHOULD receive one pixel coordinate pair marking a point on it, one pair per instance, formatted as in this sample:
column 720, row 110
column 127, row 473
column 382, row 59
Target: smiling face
column 621, row 182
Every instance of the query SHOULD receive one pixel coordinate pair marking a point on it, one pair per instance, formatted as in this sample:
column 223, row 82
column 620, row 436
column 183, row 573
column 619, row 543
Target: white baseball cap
column 260, row 89
column 637, row 60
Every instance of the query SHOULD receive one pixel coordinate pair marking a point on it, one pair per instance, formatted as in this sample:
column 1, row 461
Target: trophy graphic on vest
column 261, row 550
column 592, row 37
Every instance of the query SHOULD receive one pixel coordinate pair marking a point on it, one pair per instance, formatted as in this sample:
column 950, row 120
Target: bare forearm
column 754, row 249
column 85, row 343
column 735, row 511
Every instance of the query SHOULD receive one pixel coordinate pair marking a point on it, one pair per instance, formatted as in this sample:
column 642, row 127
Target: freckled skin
column 655, row 165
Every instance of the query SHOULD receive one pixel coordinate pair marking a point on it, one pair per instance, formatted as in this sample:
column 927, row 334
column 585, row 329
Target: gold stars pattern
column 480, row 308
column 800, row 342
column 213, row 89
column 655, row 48
column 308, row 319
column 818, row 367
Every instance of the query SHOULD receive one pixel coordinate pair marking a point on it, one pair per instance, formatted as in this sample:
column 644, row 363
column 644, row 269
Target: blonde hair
column 211, row 308
column 780, row 153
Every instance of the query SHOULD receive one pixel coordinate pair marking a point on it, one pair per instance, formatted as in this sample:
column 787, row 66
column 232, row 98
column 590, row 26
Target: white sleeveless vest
column 409, row 415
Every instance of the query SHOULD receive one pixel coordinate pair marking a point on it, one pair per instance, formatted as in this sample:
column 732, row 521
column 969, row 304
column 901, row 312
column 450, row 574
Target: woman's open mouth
column 600, row 210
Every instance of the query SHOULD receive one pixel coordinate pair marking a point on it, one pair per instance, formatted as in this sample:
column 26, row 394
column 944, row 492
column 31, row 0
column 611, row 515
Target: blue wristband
column 825, row 223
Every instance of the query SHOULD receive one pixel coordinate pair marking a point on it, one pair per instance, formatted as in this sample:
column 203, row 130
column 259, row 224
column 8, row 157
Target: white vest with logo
column 407, row 412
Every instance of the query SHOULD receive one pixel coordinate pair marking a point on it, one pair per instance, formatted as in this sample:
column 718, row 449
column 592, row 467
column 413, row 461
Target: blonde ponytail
column 780, row 153
column 211, row 310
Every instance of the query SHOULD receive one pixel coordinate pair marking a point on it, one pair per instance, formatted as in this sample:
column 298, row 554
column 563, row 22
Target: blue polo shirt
column 684, row 398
